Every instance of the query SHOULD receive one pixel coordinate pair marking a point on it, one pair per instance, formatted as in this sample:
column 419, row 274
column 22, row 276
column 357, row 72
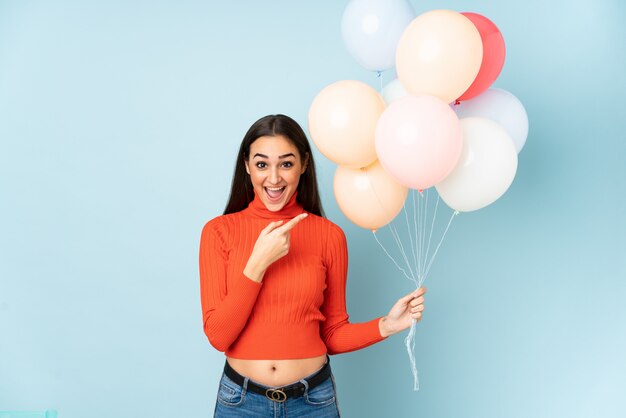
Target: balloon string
column 432, row 227
column 409, row 342
column 424, row 223
column 423, row 263
column 424, row 229
column 456, row 212
column 415, row 222
column 413, row 247
column 396, row 236
column 418, row 229
column 392, row 259
column 379, row 74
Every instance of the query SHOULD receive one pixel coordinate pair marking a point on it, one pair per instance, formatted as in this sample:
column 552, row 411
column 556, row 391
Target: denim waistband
column 282, row 393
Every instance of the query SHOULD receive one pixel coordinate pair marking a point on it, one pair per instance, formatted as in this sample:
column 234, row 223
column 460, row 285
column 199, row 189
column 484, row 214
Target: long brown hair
column 241, row 189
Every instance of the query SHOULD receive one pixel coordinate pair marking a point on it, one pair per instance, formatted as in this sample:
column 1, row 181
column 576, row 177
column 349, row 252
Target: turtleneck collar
column 257, row 209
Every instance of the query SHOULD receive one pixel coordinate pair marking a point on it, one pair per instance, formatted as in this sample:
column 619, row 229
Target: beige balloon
column 439, row 54
column 342, row 122
column 369, row 196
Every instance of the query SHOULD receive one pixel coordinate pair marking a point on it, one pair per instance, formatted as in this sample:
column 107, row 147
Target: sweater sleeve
column 226, row 301
column 339, row 335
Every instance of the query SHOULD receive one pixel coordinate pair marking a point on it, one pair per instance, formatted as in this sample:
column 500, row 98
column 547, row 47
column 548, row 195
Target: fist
column 407, row 309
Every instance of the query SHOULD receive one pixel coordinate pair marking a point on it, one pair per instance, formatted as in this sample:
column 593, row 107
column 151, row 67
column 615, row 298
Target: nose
column 274, row 176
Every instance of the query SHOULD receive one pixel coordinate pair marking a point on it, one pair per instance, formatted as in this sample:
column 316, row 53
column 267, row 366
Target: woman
column 273, row 279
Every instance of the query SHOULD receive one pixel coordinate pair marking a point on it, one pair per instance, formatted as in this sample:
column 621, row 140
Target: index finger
column 289, row 225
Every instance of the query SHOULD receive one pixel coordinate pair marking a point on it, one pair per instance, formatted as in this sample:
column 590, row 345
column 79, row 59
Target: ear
column 247, row 167
column 306, row 163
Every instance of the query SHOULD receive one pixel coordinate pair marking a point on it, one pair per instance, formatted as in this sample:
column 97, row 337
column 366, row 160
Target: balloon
column 342, row 122
column 439, row 54
column 501, row 107
column 486, row 168
column 369, row 196
column 393, row 91
column 493, row 55
column 418, row 140
column 371, row 30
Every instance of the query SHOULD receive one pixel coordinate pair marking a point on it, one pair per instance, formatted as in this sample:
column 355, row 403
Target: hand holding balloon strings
column 404, row 313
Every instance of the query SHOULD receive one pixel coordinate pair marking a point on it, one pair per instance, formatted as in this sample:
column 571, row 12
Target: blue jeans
column 234, row 401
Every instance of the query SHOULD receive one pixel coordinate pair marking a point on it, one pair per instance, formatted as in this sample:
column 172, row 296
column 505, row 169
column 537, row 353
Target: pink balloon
column 493, row 55
column 419, row 140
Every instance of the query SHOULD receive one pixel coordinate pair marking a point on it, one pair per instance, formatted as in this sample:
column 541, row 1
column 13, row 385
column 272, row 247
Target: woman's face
column 275, row 167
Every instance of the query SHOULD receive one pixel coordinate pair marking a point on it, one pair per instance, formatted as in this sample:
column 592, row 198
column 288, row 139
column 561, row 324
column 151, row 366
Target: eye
column 261, row 164
column 287, row 164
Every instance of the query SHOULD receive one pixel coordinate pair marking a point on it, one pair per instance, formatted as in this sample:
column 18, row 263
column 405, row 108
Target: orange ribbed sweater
column 299, row 309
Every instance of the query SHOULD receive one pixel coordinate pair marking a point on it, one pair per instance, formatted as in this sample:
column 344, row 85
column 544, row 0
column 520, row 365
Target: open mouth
column 274, row 193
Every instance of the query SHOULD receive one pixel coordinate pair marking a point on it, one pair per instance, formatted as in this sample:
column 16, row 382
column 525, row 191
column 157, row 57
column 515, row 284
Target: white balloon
column 393, row 91
column 371, row 30
column 485, row 170
column 502, row 107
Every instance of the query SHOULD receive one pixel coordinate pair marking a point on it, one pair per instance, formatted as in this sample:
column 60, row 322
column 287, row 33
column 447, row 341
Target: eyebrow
column 280, row 156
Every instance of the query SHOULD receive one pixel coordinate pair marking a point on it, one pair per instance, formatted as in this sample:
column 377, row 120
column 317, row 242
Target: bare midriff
column 277, row 372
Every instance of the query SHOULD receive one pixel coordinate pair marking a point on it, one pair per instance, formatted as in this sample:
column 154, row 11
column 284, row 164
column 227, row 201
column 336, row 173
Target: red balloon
column 493, row 55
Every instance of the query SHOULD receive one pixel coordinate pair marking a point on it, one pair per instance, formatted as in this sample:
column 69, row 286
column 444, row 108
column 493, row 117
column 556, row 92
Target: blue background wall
column 119, row 124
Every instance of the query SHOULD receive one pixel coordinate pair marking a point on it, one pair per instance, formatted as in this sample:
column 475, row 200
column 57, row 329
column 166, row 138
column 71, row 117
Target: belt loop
column 306, row 386
column 245, row 385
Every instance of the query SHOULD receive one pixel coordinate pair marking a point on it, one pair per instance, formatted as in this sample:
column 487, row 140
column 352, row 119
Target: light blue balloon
column 371, row 30
column 502, row 107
